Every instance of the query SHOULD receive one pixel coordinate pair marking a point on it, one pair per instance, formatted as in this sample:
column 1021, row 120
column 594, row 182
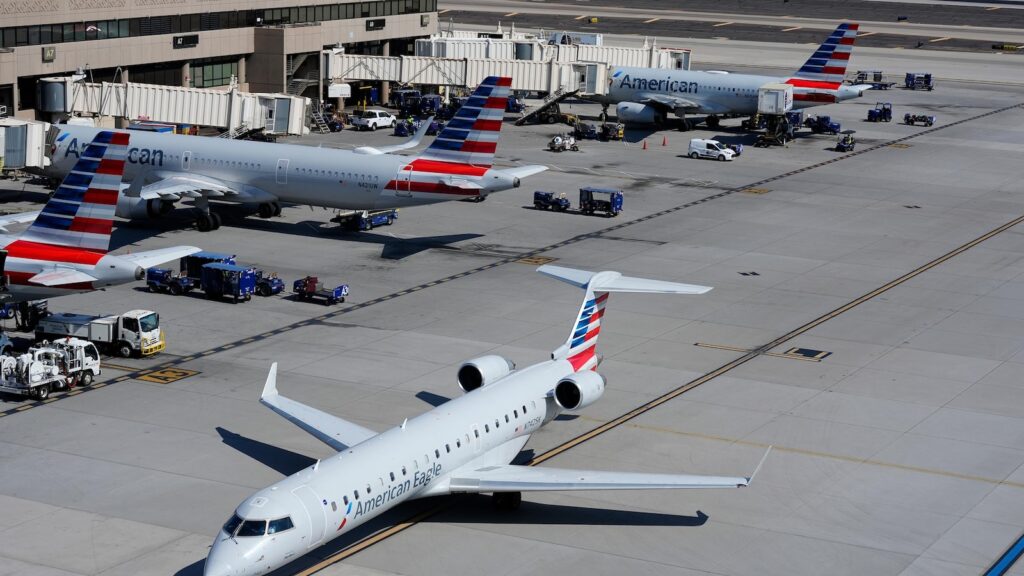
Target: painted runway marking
column 791, row 29
column 720, row 24
column 167, row 375
column 865, row 34
column 579, row 18
column 943, row 39
column 651, row 21
column 510, row 14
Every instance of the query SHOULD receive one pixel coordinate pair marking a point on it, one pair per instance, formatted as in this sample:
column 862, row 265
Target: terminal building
column 268, row 46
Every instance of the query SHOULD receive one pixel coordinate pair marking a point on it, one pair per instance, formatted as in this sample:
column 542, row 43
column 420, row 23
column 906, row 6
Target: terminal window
column 209, row 73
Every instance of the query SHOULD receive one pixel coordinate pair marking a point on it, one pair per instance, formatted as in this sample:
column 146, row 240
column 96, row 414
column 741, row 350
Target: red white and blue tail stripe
column 81, row 212
column 582, row 343
column 472, row 135
column 828, row 63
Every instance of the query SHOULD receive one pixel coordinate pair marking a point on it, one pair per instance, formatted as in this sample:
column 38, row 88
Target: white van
column 699, row 147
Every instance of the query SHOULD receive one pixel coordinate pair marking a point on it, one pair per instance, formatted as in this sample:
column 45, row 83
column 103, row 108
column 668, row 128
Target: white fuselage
column 268, row 172
column 715, row 93
column 487, row 426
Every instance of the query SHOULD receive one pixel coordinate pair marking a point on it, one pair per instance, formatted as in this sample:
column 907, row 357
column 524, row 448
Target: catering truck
column 128, row 334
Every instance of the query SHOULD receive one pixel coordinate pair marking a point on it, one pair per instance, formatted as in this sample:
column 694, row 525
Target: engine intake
column 131, row 208
column 634, row 113
column 579, row 390
column 482, row 371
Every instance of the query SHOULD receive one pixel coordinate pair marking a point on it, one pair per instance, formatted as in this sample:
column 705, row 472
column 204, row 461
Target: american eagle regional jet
column 649, row 95
column 64, row 250
column 165, row 168
column 462, row 446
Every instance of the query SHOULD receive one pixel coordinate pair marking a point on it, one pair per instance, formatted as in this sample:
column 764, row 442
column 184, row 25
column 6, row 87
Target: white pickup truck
column 372, row 119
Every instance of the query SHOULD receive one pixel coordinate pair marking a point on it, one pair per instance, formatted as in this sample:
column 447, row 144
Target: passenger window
column 437, row 453
column 487, row 428
column 403, row 470
column 253, row 528
column 282, row 524
column 392, row 474
column 506, row 419
column 524, row 409
column 334, row 508
column 367, row 488
column 476, row 433
column 447, row 449
column 344, row 500
column 515, row 413
column 496, row 424
column 533, row 404
column 458, row 443
column 356, row 494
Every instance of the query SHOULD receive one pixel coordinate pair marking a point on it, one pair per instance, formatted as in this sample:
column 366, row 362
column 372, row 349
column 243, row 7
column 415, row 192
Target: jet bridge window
column 253, row 528
column 280, row 525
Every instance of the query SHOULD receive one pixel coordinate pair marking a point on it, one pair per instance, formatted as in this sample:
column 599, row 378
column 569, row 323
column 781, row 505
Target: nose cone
column 224, row 558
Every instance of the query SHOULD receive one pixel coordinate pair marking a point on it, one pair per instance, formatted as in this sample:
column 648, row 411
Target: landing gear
column 206, row 220
column 712, row 122
column 685, row 125
column 265, row 210
column 603, row 117
column 507, row 501
column 277, row 208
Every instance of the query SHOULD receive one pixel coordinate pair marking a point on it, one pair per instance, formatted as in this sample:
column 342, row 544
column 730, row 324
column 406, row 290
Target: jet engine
column 634, row 113
column 131, row 208
column 483, row 371
column 579, row 390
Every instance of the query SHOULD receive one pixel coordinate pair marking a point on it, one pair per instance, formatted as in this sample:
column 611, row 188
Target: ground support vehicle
column 134, row 332
column 404, row 128
column 611, row 131
column 846, row 142
column 515, row 105
column 358, row 220
column 268, row 284
column 25, row 314
column 372, row 119
column 219, row 280
column 401, row 97
column 310, row 288
column 49, row 367
column 192, row 265
column 875, row 78
column 585, row 131
column 548, row 201
column 165, row 280
column 918, row 81
column 604, row 200
column 882, row 112
column 705, row 148
column 915, row 119
column 429, row 104
column 563, row 142
column 822, row 125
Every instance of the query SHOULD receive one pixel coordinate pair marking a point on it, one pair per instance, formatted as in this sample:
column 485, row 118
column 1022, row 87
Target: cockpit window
column 231, row 525
column 279, row 525
column 253, row 528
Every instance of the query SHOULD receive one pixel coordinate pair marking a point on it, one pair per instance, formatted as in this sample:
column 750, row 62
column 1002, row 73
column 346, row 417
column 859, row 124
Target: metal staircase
column 239, row 130
column 552, row 100
column 316, row 112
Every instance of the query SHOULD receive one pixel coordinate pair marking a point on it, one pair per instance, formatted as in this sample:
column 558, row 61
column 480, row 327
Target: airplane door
column 316, row 515
column 186, row 161
column 477, row 441
column 282, row 171
column 403, row 183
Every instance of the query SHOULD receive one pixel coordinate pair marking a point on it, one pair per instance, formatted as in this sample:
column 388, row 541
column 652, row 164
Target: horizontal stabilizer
column 335, row 432
column 524, row 171
column 615, row 282
column 410, row 143
column 61, row 277
column 19, row 218
column 512, row 478
column 156, row 257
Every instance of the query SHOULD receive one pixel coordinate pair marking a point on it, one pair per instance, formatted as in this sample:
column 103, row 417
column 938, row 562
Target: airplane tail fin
column 472, row 135
column 80, row 213
column 580, row 347
column 828, row 63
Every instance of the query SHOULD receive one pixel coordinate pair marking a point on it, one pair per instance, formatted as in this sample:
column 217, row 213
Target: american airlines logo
column 660, row 85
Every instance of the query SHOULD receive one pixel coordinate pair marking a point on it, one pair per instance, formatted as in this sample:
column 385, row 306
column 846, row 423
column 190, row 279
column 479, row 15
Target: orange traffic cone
column 664, row 140
column 645, row 144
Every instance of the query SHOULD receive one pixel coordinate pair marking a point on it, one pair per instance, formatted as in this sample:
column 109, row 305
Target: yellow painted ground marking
column 227, row 346
column 510, row 14
column 720, row 24
column 756, row 190
column 248, row 340
column 23, row 408
column 793, row 28
column 100, row 385
column 943, row 39
column 899, row 145
column 119, row 367
column 536, row 260
column 74, row 392
column 579, row 18
column 48, row 400
column 167, row 375
column 865, row 34
column 651, row 21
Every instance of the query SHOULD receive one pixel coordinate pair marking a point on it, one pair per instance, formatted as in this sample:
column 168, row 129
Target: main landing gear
column 205, row 219
column 268, row 210
column 507, row 501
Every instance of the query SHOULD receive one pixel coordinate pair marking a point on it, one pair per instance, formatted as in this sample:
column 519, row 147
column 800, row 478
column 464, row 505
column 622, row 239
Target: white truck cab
column 706, row 148
column 134, row 332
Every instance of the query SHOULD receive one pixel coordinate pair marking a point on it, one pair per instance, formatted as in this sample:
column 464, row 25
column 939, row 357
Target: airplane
column 648, row 95
column 165, row 168
column 64, row 249
column 462, row 446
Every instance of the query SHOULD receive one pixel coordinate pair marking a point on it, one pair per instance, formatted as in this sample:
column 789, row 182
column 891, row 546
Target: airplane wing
column 410, row 143
column 173, row 186
column 156, row 257
column 674, row 103
column 19, row 218
column 61, row 276
column 331, row 430
column 512, row 478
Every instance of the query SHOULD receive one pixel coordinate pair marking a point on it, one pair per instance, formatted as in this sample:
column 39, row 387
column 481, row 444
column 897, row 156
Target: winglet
column 759, row 464
column 270, row 388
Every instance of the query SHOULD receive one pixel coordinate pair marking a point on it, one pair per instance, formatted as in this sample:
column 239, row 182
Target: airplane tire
column 277, row 208
column 216, row 220
column 265, row 210
column 204, row 223
column 712, row 122
column 507, row 501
